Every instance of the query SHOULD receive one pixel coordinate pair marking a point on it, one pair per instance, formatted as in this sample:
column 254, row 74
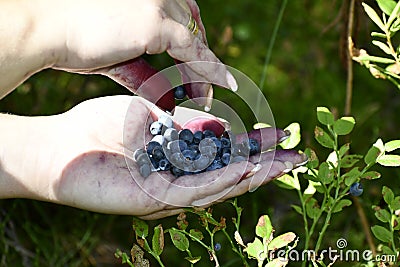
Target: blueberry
column 179, row 92
column 217, row 246
column 177, row 146
column 165, row 120
column 145, row 170
column 201, row 163
column 158, row 138
column 137, row 153
column 189, row 154
column 143, row 159
column 171, row 134
column 155, row 164
column 225, row 142
column 177, row 159
column 151, row 145
column 176, row 171
column 226, row 150
column 226, row 158
column 208, row 134
column 156, row 128
column 197, row 137
column 254, row 147
column 186, row 135
column 356, row 189
column 216, row 164
column 164, row 165
column 157, row 154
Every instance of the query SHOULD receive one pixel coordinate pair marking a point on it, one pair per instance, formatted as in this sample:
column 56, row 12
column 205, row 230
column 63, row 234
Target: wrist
column 26, row 156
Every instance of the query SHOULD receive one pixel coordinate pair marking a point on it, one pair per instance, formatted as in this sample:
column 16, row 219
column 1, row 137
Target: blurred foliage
column 307, row 69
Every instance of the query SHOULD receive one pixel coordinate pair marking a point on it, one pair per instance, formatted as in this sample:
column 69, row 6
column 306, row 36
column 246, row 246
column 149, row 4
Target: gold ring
column 192, row 26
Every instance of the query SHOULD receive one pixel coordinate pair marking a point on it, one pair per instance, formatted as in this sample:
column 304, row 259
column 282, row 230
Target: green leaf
column 388, row 251
column 255, row 249
column 281, row 241
column 140, row 227
column 313, row 161
column 294, row 138
column 341, row 204
column 386, row 6
column 192, row 259
column 343, row 150
column 158, row 240
column 389, row 160
column 374, row 152
column 179, row 239
column 392, row 145
column 325, row 174
column 264, row 227
column 344, row 125
column 395, row 203
column 277, row 262
column 369, row 58
column 323, row 138
column 378, row 34
column 288, row 182
column 394, row 14
column 196, row 234
column 383, row 215
column 387, row 194
column 324, row 116
column 351, row 176
column 348, row 161
column 371, row 175
column 374, row 17
column 298, row 209
column 312, row 208
column 381, row 233
column 384, row 47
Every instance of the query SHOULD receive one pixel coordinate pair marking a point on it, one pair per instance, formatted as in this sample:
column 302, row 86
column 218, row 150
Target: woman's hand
column 83, row 158
column 107, row 37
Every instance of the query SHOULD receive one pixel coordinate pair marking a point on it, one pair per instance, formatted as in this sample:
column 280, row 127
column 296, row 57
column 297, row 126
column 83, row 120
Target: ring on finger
column 192, row 25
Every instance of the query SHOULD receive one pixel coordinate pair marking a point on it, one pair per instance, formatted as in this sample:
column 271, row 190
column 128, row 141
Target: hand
column 97, row 171
column 103, row 34
column 108, row 37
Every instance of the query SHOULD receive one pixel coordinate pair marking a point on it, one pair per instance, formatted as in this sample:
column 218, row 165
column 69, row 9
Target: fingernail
column 289, row 166
column 209, row 99
column 287, row 135
column 256, row 169
column 231, row 81
column 304, row 160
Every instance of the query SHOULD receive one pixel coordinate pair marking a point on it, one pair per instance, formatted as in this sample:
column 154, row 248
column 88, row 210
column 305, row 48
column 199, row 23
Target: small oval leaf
column 381, row 233
column 324, row 116
column 281, row 241
column 344, row 125
column 264, row 227
column 323, row 138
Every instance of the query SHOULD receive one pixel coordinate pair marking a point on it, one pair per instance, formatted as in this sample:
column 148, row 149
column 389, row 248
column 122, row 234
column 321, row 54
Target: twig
column 347, row 111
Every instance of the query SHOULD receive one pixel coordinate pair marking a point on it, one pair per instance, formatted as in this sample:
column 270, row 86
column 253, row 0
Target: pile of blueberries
column 185, row 152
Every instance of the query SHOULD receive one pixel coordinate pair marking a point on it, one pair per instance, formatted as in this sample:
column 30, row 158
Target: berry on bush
column 356, row 189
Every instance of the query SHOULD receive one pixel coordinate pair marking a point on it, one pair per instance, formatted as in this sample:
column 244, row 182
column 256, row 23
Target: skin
column 86, row 167
column 82, row 158
column 81, row 37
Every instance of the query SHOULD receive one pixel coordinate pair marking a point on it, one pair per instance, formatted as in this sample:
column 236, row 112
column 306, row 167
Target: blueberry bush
column 300, row 54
